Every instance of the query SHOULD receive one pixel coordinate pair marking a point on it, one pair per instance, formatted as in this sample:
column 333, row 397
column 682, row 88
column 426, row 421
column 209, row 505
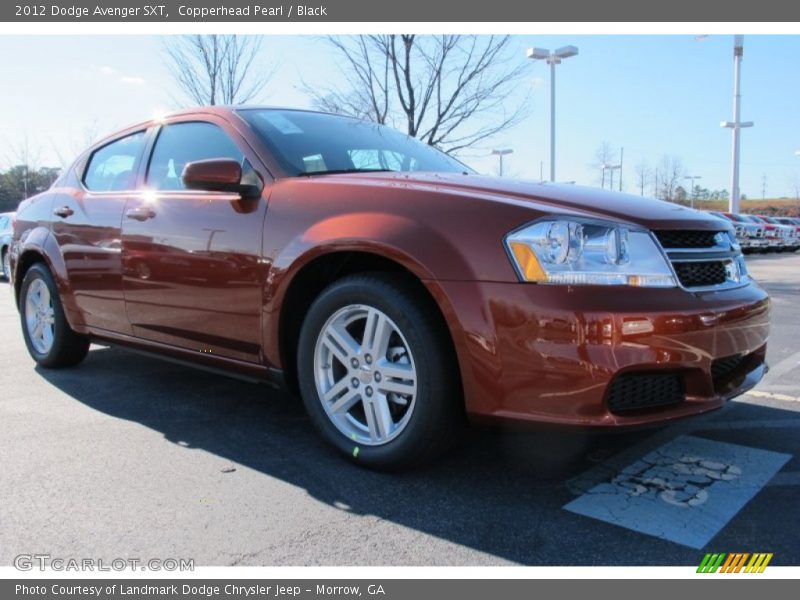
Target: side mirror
column 220, row 175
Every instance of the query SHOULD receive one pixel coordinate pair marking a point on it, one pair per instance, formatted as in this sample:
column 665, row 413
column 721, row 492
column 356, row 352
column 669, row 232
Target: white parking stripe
column 782, row 368
column 772, row 396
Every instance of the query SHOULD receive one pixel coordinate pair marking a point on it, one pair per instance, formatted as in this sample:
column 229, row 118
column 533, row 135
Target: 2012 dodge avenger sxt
column 397, row 291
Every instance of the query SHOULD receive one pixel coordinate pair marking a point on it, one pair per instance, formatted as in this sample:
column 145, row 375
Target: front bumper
column 753, row 242
column 550, row 354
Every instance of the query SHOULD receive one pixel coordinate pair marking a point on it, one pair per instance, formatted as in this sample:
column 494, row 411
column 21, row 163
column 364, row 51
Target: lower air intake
column 643, row 391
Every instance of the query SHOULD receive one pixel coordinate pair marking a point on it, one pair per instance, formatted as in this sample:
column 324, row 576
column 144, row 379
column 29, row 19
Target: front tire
column 377, row 372
column 48, row 336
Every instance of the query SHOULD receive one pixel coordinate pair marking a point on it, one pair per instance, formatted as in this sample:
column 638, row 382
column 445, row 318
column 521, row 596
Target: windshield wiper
column 342, row 171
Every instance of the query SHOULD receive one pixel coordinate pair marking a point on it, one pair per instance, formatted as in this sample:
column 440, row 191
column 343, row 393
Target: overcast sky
column 652, row 95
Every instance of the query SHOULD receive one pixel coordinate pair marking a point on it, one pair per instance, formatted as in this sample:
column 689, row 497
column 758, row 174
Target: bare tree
column 794, row 185
column 449, row 91
column 66, row 154
column 26, row 156
column 668, row 173
column 643, row 174
column 603, row 155
column 366, row 70
column 217, row 69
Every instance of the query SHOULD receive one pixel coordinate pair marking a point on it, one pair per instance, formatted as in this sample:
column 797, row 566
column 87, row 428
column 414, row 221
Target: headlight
column 579, row 252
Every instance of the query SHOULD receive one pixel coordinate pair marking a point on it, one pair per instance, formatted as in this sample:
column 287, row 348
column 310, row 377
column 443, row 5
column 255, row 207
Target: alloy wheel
column 365, row 375
column 40, row 316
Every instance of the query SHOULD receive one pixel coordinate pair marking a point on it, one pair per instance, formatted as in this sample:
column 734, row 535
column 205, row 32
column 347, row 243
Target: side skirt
column 220, row 365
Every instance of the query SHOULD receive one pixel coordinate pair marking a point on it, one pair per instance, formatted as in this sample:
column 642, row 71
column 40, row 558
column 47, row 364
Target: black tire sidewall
column 426, row 348
column 4, row 264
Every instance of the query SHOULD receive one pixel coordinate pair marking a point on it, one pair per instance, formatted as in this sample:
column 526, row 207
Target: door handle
column 140, row 213
column 64, row 212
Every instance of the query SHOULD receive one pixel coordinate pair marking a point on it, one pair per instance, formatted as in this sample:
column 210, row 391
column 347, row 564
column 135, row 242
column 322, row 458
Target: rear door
column 191, row 259
column 86, row 226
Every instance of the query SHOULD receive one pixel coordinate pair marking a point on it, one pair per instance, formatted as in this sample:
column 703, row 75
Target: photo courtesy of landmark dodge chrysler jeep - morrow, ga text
column 399, row 293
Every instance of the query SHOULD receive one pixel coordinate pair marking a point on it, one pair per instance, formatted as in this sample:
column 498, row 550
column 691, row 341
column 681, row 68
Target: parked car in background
column 396, row 290
column 791, row 222
column 773, row 234
column 750, row 235
column 787, row 234
column 6, row 232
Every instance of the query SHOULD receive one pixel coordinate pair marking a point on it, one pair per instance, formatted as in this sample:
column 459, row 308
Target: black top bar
column 441, row 11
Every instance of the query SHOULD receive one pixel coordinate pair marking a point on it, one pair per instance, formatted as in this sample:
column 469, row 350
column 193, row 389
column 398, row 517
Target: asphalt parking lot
column 129, row 456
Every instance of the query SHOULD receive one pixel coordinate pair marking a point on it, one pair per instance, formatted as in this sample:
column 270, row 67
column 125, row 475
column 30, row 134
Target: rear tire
column 393, row 396
column 48, row 336
column 6, row 262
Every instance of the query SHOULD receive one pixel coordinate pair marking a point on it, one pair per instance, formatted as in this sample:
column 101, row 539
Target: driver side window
column 183, row 143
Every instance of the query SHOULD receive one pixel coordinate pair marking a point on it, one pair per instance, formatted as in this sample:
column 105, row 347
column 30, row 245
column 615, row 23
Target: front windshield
column 309, row 143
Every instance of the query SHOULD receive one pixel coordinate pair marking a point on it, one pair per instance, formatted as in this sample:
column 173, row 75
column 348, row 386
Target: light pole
column 796, row 187
column 211, row 234
column 613, row 168
column 552, row 58
column 501, row 152
column 691, row 189
column 736, row 125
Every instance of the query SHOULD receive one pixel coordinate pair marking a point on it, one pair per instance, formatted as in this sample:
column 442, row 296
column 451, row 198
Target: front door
column 191, row 268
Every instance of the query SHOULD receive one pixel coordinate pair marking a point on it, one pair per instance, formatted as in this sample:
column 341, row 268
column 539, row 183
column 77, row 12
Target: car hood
column 547, row 197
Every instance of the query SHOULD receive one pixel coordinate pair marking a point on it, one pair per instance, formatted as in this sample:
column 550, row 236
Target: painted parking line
column 684, row 491
column 784, row 367
column 772, row 396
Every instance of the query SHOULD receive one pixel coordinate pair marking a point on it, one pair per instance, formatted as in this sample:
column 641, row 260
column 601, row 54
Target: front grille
column 644, row 391
column 701, row 273
column 700, row 259
column 686, row 239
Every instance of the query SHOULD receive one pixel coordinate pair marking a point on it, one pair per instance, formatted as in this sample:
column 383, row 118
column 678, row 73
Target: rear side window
column 111, row 168
column 183, row 143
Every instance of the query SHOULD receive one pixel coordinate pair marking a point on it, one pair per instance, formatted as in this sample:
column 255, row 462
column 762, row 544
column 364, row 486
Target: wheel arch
column 40, row 247
column 309, row 280
column 25, row 261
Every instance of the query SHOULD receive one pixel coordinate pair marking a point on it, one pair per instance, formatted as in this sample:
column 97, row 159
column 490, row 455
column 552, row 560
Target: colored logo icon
column 735, row 562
